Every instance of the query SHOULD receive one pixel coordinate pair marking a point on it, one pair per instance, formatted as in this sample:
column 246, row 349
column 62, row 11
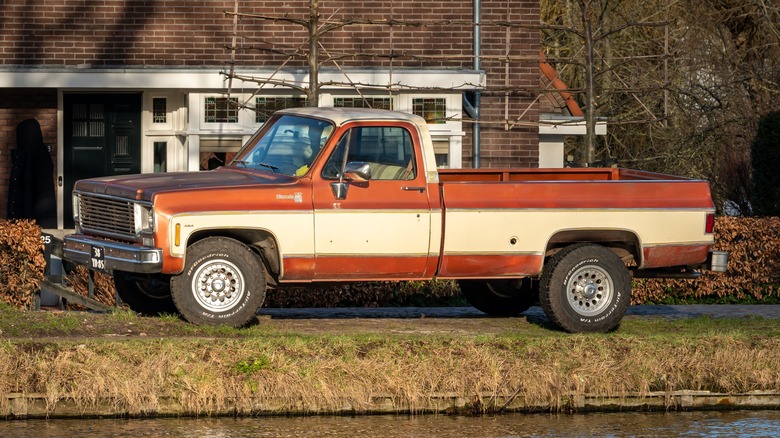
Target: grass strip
column 284, row 367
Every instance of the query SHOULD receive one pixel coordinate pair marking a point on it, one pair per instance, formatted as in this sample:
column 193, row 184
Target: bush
column 21, row 262
column 765, row 157
column 753, row 273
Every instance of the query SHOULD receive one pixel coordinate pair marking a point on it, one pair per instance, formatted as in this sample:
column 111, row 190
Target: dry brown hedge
column 103, row 286
column 753, row 274
column 753, row 271
column 21, row 261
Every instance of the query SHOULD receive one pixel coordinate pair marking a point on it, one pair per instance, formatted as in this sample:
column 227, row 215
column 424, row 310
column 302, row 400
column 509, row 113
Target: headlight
column 144, row 218
column 76, row 198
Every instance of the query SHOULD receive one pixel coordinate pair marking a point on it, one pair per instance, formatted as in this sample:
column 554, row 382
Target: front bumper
column 103, row 255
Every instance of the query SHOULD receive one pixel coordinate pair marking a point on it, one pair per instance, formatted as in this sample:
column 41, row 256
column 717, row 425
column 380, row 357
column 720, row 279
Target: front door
column 102, row 136
column 382, row 227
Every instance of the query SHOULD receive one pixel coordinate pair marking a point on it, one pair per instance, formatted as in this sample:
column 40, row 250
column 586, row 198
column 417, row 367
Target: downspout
column 476, row 145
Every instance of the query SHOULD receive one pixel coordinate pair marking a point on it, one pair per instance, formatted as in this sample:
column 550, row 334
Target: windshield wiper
column 249, row 163
column 270, row 166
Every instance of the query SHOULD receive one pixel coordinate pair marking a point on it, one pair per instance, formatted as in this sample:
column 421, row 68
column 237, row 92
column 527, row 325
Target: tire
column 585, row 288
column 223, row 283
column 500, row 297
column 147, row 294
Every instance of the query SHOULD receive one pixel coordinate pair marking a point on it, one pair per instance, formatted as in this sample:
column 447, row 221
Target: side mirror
column 357, row 171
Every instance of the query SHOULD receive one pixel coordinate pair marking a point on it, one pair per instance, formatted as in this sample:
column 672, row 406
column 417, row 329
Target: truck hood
column 143, row 186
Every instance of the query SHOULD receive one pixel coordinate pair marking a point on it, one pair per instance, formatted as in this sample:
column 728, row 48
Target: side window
column 389, row 152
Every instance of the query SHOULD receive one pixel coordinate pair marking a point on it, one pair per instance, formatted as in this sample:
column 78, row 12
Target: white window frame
column 451, row 129
column 197, row 106
column 253, row 99
column 171, row 105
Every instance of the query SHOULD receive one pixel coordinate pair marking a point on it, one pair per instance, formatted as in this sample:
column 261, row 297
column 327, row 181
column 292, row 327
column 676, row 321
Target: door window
column 388, row 150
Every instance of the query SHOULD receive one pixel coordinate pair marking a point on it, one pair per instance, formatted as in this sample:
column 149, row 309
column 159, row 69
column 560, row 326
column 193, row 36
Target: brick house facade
column 70, row 63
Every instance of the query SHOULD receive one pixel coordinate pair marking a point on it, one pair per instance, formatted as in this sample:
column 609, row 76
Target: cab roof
column 339, row 116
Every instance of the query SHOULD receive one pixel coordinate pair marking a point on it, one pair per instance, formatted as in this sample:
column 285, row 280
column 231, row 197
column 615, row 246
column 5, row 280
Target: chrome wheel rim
column 218, row 285
column 589, row 290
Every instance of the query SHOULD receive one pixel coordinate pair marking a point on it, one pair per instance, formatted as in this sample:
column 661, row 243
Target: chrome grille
column 110, row 217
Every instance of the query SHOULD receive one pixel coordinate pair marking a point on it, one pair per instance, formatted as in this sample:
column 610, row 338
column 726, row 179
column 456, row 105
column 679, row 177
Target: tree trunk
column 589, row 151
column 313, row 92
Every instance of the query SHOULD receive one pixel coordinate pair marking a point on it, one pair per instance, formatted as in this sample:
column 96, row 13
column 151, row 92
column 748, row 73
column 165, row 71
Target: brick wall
column 189, row 33
column 194, row 33
column 17, row 105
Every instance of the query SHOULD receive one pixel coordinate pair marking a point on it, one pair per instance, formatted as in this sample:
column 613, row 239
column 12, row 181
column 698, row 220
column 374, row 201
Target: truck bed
column 520, row 215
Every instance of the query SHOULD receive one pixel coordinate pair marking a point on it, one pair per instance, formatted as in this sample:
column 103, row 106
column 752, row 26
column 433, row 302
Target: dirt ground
column 53, row 323
column 453, row 321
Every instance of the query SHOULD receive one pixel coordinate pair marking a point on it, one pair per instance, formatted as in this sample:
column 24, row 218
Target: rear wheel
column 147, row 294
column 585, row 288
column 223, row 283
column 500, row 297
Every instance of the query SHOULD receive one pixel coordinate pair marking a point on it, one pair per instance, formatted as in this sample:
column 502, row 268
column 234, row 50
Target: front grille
column 110, row 217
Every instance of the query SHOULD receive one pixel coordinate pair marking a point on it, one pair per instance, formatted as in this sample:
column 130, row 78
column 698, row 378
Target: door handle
column 413, row 189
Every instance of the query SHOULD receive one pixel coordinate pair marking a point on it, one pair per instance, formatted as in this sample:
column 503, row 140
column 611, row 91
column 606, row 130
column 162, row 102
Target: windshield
column 287, row 145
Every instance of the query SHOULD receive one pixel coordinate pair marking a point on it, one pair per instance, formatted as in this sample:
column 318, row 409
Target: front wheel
column 500, row 297
column 223, row 283
column 585, row 288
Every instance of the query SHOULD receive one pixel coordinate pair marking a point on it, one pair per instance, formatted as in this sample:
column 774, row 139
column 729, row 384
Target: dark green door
column 102, row 136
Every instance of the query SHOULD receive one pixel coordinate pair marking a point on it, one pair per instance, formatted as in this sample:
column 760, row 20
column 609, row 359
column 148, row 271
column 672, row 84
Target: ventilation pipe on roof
column 475, row 107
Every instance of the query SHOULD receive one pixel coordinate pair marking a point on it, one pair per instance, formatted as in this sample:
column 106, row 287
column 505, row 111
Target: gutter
column 476, row 143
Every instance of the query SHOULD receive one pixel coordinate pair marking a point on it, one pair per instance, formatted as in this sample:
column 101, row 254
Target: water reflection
column 685, row 424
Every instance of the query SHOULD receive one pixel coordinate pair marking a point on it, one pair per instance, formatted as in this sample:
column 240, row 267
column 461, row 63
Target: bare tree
column 589, row 41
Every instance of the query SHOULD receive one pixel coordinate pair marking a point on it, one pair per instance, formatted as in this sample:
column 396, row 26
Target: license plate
column 97, row 257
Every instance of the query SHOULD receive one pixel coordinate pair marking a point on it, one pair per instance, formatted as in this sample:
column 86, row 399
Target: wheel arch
column 625, row 243
column 261, row 241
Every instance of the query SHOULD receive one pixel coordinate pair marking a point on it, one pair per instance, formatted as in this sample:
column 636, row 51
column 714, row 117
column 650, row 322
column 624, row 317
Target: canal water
column 675, row 424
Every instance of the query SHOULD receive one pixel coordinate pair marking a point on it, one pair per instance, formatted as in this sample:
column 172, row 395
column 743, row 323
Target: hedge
column 21, row 262
column 753, row 275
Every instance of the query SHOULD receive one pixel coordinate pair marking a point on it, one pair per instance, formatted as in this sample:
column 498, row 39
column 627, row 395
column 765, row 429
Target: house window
column 218, row 152
column 265, row 106
column 363, row 102
column 221, row 110
column 441, row 149
column 433, row 110
column 159, row 110
column 160, row 156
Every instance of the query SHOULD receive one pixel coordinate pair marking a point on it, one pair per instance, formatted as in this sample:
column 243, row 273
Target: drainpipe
column 475, row 135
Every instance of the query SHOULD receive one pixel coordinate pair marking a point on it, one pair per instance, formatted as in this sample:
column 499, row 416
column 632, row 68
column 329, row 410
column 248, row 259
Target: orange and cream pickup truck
column 335, row 195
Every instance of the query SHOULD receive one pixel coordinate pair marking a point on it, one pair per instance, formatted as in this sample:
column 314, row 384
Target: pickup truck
column 323, row 195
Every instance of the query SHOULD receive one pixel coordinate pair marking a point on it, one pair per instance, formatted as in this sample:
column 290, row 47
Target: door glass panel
column 88, row 120
column 122, row 147
column 96, row 111
column 160, row 156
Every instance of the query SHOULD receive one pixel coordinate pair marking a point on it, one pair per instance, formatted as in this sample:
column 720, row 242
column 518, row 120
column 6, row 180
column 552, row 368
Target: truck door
column 381, row 228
